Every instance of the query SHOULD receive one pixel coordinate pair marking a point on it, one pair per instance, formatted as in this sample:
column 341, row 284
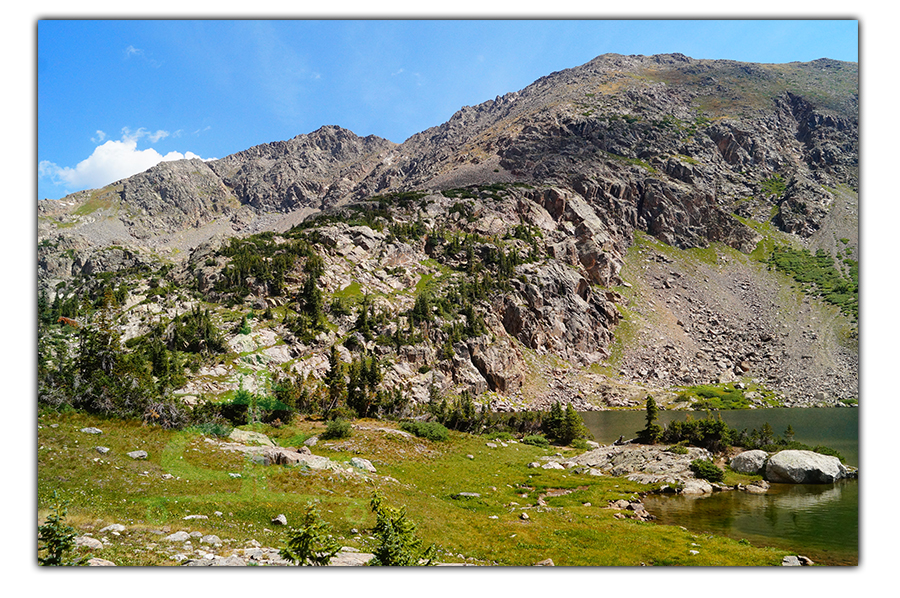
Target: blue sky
column 115, row 97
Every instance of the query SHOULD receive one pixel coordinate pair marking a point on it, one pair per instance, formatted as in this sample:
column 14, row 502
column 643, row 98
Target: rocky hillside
column 606, row 232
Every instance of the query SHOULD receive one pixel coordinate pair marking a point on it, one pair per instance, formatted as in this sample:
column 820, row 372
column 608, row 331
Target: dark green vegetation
column 713, row 434
column 56, row 539
column 398, row 542
column 707, row 470
column 312, row 543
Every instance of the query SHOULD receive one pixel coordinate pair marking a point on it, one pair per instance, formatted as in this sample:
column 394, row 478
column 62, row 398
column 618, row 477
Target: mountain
column 635, row 225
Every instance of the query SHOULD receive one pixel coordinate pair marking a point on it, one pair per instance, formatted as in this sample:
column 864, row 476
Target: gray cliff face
column 632, row 191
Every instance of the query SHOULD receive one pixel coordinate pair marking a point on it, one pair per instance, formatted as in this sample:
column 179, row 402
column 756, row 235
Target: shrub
column 58, row 538
column 398, row 544
column 536, row 440
column 336, row 429
column 213, row 429
column 311, row 544
column 707, row 470
column 430, row 430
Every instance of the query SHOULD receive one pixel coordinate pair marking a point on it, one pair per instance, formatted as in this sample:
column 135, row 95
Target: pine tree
column 653, row 432
column 572, row 426
column 552, row 424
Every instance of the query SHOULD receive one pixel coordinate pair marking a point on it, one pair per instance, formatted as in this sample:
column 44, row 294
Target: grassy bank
column 186, row 474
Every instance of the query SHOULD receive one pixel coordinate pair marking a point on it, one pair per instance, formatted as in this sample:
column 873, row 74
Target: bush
column 707, row 470
column 398, row 544
column 429, row 430
column 536, row 440
column 336, row 429
column 312, row 543
column 57, row 538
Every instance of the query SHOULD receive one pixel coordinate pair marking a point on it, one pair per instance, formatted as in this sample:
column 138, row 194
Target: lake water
column 820, row 521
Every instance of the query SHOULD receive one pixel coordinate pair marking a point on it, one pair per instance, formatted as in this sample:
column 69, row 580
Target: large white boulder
column 803, row 467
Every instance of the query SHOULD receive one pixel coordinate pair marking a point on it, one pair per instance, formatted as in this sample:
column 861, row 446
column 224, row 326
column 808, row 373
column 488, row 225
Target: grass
column 721, row 396
column 421, row 475
column 99, row 200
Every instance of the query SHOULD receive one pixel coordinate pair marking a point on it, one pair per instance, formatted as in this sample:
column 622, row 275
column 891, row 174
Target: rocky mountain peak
column 602, row 216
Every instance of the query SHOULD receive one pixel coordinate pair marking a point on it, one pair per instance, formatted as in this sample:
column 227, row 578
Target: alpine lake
column 820, row 521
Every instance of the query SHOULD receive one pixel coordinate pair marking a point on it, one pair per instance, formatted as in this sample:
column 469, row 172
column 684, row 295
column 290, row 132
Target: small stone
column 545, row 563
column 115, row 527
column 189, row 517
column 137, row 454
column 101, row 449
column 88, row 542
column 92, row 431
column 98, row 562
column 524, row 517
column 280, row 520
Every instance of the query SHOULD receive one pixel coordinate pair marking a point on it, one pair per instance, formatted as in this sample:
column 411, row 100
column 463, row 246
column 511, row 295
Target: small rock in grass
column 137, row 454
column 88, row 542
column 115, row 527
column 98, row 562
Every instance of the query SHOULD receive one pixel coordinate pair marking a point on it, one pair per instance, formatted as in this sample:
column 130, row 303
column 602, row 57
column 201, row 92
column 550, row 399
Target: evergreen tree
column 652, row 433
column 552, row 424
column 572, row 427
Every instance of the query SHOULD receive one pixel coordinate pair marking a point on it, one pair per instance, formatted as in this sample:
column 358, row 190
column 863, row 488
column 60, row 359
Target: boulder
column 137, row 454
column 363, row 464
column 285, row 456
column 248, row 437
column 749, row 462
column 803, row 467
column 88, row 542
column 98, row 562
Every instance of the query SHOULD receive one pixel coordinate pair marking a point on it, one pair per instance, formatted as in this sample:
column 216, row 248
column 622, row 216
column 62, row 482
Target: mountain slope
column 600, row 234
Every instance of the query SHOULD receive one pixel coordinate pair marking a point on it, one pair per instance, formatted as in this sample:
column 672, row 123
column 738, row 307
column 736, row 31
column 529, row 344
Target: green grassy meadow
column 186, row 474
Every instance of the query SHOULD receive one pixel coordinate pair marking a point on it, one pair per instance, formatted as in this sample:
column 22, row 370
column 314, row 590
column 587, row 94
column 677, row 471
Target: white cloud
column 110, row 162
column 98, row 137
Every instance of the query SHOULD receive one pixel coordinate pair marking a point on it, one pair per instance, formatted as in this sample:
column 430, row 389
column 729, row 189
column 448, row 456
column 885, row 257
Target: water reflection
column 817, row 520
column 820, row 520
